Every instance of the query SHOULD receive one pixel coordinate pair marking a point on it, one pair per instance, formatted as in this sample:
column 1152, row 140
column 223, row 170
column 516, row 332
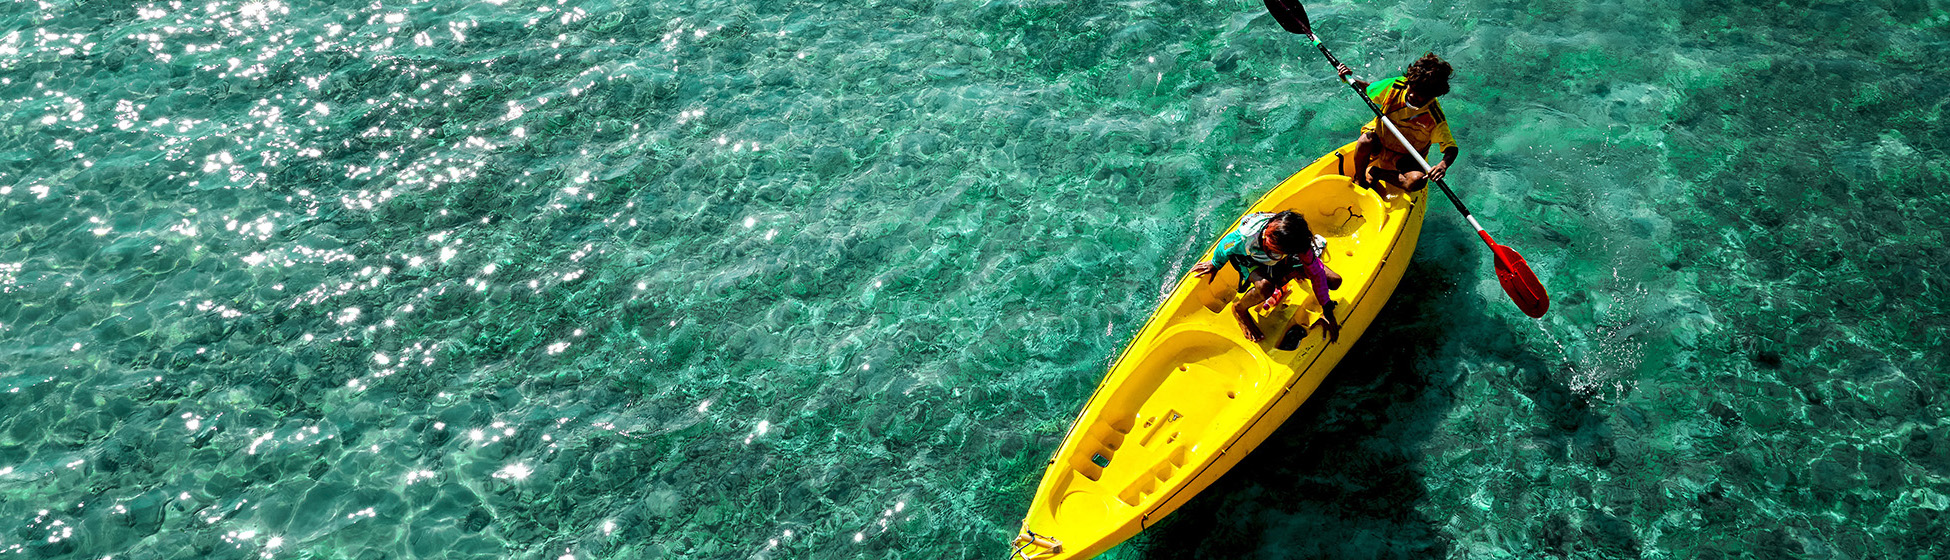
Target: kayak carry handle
column 1028, row 538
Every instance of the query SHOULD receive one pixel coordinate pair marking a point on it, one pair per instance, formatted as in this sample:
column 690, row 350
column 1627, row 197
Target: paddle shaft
column 1511, row 270
column 1397, row 133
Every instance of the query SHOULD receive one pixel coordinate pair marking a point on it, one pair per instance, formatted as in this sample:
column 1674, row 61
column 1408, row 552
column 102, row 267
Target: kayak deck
column 1191, row 395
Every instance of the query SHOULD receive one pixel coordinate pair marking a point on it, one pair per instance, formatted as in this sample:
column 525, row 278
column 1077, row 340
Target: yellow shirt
column 1422, row 125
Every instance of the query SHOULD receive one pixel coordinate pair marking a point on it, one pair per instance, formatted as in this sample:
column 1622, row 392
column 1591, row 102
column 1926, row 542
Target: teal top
column 1241, row 247
column 1244, row 241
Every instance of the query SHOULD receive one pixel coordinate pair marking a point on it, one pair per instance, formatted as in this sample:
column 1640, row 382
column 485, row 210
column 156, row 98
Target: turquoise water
column 547, row 279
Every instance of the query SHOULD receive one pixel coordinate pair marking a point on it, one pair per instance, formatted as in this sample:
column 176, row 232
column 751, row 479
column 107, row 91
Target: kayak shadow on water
column 1344, row 476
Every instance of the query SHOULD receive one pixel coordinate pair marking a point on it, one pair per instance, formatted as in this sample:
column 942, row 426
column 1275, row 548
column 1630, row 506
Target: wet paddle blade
column 1291, row 15
column 1520, row 282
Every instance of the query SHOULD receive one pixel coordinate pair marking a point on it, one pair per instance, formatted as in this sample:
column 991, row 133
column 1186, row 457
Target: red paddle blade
column 1520, row 282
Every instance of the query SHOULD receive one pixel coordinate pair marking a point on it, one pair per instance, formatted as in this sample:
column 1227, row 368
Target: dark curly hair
column 1428, row 75
column 1290, row 232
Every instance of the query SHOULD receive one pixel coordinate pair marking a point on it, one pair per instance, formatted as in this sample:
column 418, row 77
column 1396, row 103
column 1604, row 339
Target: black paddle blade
column 1291, row 15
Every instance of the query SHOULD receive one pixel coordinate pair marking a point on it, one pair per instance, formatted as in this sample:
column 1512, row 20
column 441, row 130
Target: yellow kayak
column 1191, row 396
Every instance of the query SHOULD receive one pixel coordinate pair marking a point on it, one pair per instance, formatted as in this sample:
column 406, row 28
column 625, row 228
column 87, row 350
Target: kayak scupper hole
column 1232, row 394
column 1100, row 460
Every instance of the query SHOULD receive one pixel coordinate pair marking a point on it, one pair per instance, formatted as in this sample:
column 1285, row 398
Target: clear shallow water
column 804, row 280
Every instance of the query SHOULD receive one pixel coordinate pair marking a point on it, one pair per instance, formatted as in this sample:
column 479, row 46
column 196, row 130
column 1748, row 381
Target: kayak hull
column 1190, row 395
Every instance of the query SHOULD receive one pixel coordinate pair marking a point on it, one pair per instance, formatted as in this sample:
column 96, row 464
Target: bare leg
column 1242, row 310
column 1411, row 181
column 1415, row 180
column 1364, row 151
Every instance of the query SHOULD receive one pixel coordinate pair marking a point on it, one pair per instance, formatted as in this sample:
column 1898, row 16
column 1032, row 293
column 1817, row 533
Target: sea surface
column 775, row 280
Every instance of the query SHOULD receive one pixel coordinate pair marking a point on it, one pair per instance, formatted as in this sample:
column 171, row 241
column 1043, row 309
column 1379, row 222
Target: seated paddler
column 1411, row 103
column 1269, row 250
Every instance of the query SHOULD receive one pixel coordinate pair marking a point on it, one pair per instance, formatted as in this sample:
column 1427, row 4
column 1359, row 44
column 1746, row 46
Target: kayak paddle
column 1511, row 270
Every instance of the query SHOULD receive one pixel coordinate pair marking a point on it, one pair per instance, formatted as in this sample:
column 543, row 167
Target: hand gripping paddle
column 1511, row 270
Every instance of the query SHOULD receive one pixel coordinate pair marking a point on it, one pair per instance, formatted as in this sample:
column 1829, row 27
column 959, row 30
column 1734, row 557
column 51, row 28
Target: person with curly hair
column 1410, row 102
column 1270, row 250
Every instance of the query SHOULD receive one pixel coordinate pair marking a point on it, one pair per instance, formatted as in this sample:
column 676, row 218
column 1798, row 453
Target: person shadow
column 1343, row 477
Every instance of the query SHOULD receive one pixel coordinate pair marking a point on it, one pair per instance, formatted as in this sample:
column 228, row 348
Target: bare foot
column 1251, row 331
column 1367, row 181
